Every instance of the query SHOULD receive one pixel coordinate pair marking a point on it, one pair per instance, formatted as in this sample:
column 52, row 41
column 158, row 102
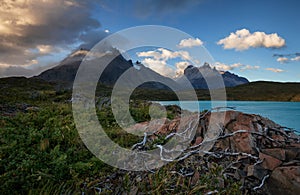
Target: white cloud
column 243, row 40
column 153, row 54
column 225, row 67
column 45, row 49
column 282, row 60
column 190, row 43
column 180, row 66
column 158, row 61
column 80, row 52
column 249, row 67
column 24, row 65
column 277, row 70
column 159, row 66
column 184, row 55
column 164, row 54
column 297, row 58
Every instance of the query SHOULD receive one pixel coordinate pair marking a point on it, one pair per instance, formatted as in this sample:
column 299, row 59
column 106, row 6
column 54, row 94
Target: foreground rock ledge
column 274, row 166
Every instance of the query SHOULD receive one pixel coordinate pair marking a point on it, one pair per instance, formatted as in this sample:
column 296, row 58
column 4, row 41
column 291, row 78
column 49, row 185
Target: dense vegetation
column 41, row 151
column 254, row 91
column 12, row 89
column 265, row 91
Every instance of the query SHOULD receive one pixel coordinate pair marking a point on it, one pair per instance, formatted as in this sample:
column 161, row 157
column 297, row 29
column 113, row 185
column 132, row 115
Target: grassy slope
column 41, row 151
column 29, row 91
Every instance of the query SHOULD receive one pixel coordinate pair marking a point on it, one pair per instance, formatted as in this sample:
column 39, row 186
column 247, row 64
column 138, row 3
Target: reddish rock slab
column 242, row 142
column 269, row 162
column 279, row 138
column 256, row 171
column 285, row 180
column 292, row 153
column 278, row 153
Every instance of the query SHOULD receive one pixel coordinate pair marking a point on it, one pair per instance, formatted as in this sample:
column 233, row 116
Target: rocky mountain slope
column 64, row 74
column 199, row 76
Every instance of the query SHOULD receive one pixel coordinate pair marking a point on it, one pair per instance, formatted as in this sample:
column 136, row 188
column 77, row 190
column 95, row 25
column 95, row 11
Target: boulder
column 278, row 153
column 284, row 180
column 265, row 152
column 292, row 153
column 269, row 162
column 256, row 171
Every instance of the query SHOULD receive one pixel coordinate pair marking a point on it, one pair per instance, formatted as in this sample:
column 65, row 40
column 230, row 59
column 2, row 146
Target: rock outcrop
column 253, row 149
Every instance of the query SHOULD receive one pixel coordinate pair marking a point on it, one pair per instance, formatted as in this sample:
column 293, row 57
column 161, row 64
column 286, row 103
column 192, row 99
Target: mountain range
column 200, row 76
column 64, row 74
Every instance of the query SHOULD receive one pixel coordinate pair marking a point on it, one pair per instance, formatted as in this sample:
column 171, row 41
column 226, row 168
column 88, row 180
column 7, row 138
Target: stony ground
column 259, row 153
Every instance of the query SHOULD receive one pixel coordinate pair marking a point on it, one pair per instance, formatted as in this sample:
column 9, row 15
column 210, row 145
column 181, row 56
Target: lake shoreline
column 284, row 113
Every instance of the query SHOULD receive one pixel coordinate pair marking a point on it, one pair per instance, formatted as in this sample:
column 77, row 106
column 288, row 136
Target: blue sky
column 68, row 24
column 216, row 19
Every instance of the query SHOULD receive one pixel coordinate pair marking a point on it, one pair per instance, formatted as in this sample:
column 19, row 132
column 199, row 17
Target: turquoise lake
column 284, row 113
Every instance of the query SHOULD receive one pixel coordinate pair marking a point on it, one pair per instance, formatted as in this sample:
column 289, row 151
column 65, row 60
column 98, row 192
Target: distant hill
column 253, row 91
column 20, row 88
column 265, row 91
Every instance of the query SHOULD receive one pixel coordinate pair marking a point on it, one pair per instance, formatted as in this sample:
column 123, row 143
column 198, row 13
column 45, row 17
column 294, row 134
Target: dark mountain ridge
column 200, row 76
column 64, row 74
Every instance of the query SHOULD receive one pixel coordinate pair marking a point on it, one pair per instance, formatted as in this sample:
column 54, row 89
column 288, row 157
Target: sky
column 255, row 39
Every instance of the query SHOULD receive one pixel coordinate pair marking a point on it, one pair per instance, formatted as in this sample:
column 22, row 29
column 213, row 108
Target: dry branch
column 262, row 183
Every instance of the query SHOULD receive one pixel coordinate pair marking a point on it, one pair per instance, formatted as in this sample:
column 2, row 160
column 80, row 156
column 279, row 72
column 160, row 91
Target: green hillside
column 33, row 90
column 265, row 91
column 254, row 91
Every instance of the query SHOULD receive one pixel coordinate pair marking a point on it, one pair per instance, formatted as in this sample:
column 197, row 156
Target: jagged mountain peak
column 198, row 76
column 64, row 74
